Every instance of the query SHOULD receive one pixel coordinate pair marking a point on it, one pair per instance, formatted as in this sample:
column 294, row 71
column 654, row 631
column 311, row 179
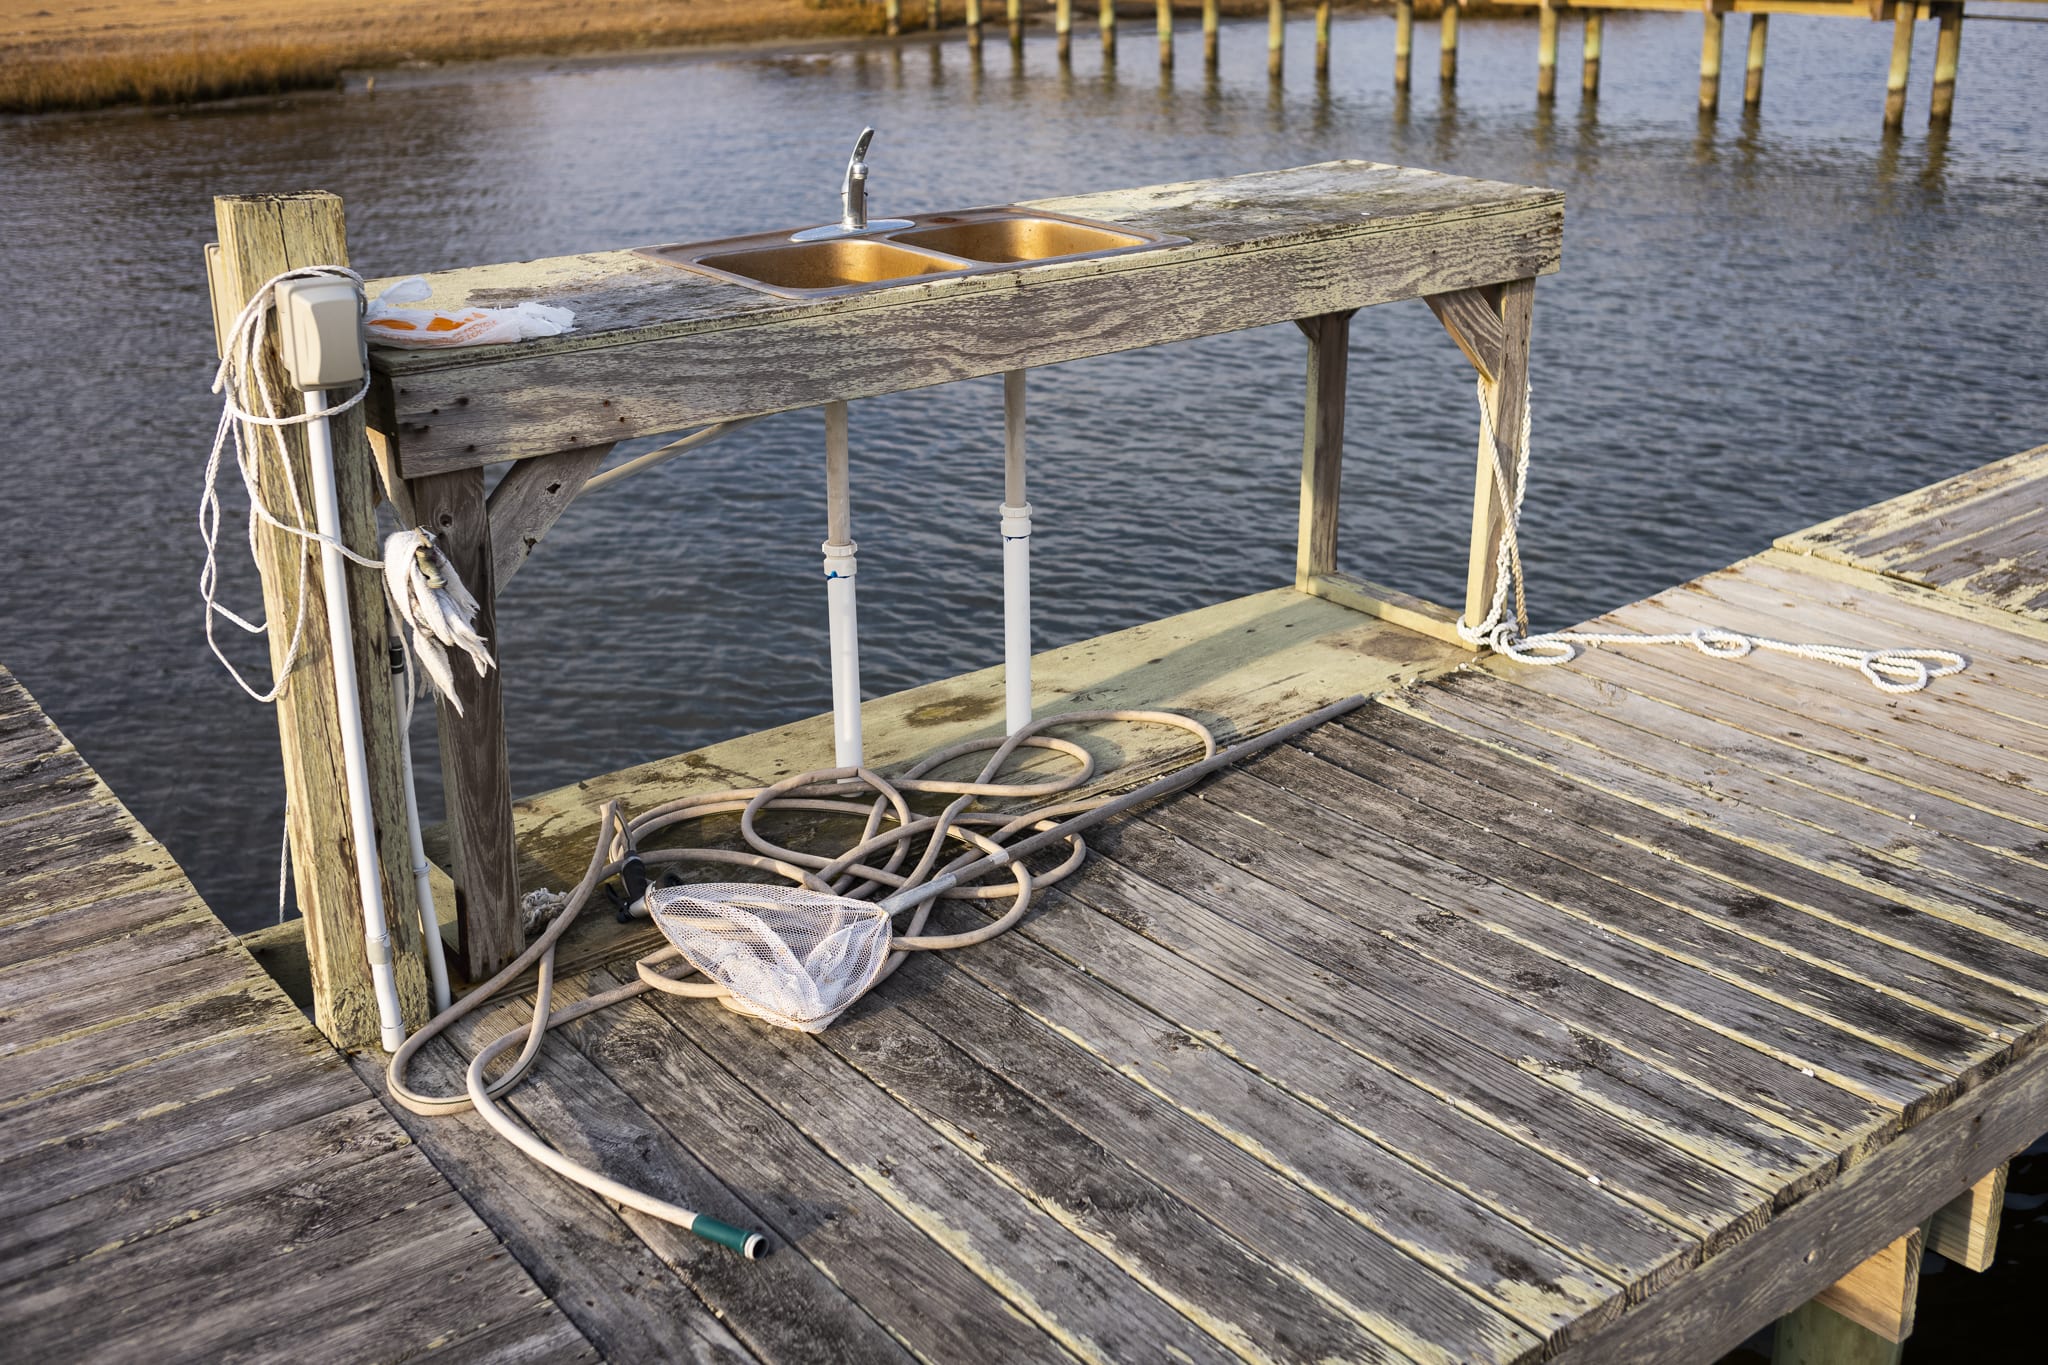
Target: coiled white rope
column 1894, row 670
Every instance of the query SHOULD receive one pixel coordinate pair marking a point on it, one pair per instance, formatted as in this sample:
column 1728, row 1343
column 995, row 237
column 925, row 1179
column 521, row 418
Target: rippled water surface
column 1759, row 323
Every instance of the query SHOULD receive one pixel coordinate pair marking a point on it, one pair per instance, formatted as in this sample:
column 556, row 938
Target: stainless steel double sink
column 972, row 241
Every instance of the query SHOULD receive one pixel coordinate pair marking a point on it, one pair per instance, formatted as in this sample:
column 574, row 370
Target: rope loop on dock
column 1890, row 670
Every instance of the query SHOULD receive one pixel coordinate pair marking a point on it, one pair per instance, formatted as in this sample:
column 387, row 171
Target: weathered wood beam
column 531, row 498
column 475, row 773
column 1322, row 450
column 260, row 237
column 1902, row 59
column 1808, row 1246
column 1388, row 604
column 1507, row 400
column 1880, row 1293
column 1472, row 318
column 1965, row 1230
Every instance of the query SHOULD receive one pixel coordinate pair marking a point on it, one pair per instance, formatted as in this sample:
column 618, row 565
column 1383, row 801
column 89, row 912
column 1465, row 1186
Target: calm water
column 1759, row 324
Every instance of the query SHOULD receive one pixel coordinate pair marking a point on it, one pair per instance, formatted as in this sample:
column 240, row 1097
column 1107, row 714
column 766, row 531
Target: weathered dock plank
column 1602, row 1012
column 190, row 1172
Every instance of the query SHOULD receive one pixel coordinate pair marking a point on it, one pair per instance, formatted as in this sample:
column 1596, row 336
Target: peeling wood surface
column 657, row 348
column 189, row 1170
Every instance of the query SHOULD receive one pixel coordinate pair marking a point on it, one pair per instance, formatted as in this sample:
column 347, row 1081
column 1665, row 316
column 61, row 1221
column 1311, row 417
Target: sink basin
column 1012, row 239
column 935, row 245
column 816, row 267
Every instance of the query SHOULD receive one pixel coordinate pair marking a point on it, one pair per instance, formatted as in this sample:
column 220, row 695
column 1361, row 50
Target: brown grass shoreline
column 64, row 55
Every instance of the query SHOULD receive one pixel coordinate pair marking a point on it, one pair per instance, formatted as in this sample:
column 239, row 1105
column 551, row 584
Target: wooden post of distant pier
column 1323, row 38
column 1165, row 32
column 1404, row 41
column 1063, row 28
column 1106, row 17
column 1016, row 18
column 1589, row 71
column 1546, row 51
column 1947, row 49
column 1753, row 68
column 974, row 24
column 1903, row 14
column 931, row 15
column 263, row 235
column 892, row 15
column 1276, row 36
column 1212, row 23
column 1710, row 58
column 1447, row 64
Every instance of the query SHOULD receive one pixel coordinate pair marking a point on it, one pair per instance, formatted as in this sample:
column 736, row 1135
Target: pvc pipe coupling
column 840, row 561
column 1016, row 521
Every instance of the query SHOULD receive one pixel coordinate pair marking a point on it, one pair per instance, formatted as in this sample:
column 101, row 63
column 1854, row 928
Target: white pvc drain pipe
column 841, row 563
column 1016, row 562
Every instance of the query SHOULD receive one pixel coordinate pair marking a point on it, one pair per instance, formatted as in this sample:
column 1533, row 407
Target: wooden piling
column 1905, row 11
column 974, row 24
column 1322, row 450
column 260, row 237
column 1447, row 65
column 1106, row 17
column 931, row 15
column 1589, row 70
column 1016, row 17
column 1546, row 51
column 1165, row 32
column 1212, row 23
column 892, row 16
column 1947, row 50
column 1404, row 41
column 1506, row 395
column 1753, row 69
column 1276, row 36
column 1063, row 28
column 1710, row 61
column 1323, row 38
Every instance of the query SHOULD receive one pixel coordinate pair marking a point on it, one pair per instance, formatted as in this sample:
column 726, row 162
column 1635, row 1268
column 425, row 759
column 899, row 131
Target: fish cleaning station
column 1325, row 974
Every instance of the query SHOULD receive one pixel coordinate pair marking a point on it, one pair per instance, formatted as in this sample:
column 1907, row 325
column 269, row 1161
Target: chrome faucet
column 853, row 202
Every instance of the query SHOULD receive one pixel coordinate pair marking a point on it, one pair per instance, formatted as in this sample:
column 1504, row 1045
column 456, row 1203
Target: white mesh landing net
column 792, row 957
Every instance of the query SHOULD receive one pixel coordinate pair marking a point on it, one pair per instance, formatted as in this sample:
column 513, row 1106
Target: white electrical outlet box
column 320, row 333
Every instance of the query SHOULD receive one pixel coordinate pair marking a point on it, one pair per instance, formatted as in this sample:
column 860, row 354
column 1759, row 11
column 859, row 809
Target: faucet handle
column 860, row 152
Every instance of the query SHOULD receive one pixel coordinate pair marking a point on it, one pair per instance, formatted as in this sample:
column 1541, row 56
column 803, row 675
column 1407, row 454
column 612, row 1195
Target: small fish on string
column 429, row 597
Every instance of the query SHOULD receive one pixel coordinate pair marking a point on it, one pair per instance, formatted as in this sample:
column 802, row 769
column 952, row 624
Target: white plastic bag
column 391, row 324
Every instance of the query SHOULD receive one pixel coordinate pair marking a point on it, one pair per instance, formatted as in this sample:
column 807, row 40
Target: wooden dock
column 188, row 1171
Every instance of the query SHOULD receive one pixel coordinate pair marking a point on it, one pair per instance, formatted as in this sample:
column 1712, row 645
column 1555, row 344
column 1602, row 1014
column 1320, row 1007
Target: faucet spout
column 853, row 201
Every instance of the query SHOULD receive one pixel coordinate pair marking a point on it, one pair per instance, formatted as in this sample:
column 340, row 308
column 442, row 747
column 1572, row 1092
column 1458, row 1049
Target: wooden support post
column 1902, row 59
column 1753, row 68
column 1404, row 40
column 1165, row 32
column 1063, row 28
column 892, row 15
column 531, row 498
column 1860, row 1319
column 1965, row 1230
column 1546, row 51
column 974, row 24
column 1322, row 447
column 1589, row 70
column 931, row 15
column 1212, row 24
column 1276, row 36
column 1447, row 67
column 262, row 236
column 1710, row 61
column 1948, row 49
column 1323, row 38
column 1506, row 396
column 1016, row 18
column 1105, row 15
column 474, row 772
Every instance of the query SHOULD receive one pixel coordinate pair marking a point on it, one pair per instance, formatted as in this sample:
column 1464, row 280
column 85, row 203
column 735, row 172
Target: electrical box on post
column 320, row 333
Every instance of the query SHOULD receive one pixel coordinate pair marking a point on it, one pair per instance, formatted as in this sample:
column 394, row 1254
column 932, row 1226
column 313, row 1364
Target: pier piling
column 1276, row 36
column 1323, row 38
column 1447, row 65
column 1546, row 51
column 1947, row 49
column 260, row 237
column 1212, row 21
column 1165, row 32
column 1106, row 17
column 892, row 16
column 1902, row 59
column 974, row 24
column 1710, row 61
column 1063, row 29
column 1589, row 70
column 1753, row 69
column 1404, row 41
column 1016, row 17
